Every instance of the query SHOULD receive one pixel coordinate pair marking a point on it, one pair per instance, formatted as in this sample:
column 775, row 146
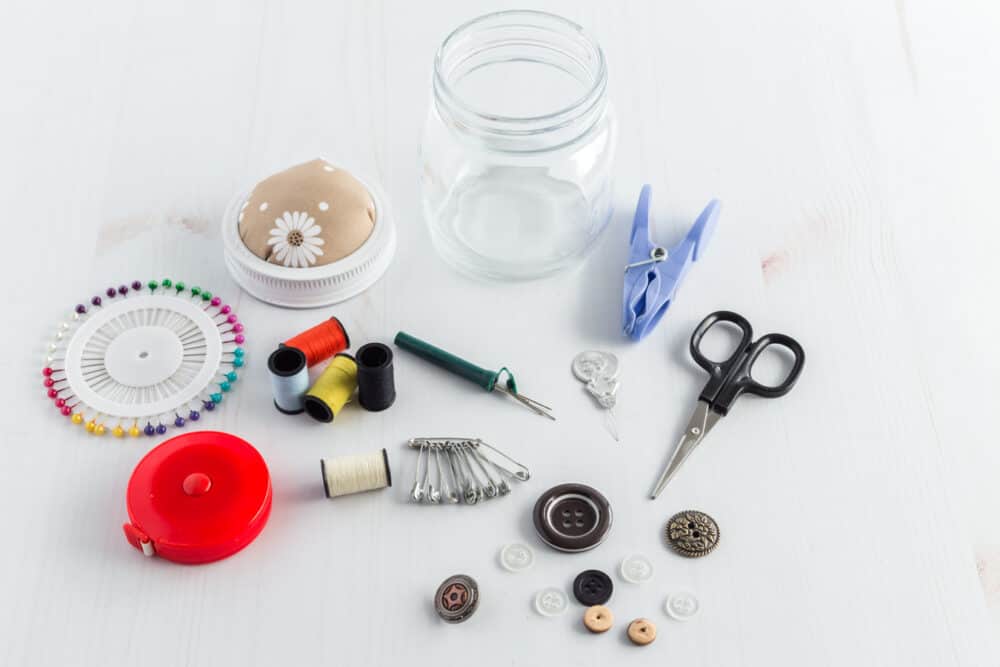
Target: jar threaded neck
column 538, row 41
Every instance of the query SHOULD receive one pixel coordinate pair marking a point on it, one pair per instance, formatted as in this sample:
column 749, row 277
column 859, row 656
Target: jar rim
column 553, row 119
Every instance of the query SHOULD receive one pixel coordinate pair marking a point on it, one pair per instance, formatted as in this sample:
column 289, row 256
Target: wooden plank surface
column 855, row 148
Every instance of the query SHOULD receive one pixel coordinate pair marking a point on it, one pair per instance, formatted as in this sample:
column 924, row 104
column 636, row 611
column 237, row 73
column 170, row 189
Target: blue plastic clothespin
column 653, row 274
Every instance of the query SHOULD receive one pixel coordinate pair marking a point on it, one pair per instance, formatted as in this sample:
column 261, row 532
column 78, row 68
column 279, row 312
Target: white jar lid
column 315, row 286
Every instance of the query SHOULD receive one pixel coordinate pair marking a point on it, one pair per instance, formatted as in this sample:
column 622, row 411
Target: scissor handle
column 741, row 381
column 732, row 377
column 718, row 371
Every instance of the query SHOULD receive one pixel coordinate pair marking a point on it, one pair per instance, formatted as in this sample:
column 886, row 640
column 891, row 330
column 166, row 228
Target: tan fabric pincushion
column 309, row 215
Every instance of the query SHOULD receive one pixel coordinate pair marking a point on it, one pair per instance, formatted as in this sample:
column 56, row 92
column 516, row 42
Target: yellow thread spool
column 333, row 389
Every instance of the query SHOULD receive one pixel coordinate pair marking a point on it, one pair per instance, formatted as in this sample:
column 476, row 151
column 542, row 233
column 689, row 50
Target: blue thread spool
column 289, row 378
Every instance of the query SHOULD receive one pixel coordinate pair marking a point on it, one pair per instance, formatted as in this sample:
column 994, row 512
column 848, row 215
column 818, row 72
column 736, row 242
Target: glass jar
column 518, row 146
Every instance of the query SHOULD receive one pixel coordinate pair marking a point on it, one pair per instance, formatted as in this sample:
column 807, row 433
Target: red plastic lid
column 198, row 497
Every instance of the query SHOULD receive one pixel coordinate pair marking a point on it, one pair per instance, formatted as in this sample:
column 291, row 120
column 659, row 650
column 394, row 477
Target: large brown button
column 598, row 618
column 572, row 517
column 642, row 631
column 457, row 598
column 691, row 533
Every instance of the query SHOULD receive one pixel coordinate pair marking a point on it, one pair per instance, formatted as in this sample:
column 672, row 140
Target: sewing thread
column 321, row 341
column 332, row 389
column 289, row 378
column 376, row 387
column 345, row 475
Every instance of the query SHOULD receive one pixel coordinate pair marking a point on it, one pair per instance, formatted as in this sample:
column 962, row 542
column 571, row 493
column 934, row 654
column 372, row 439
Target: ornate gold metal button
column 691, row 533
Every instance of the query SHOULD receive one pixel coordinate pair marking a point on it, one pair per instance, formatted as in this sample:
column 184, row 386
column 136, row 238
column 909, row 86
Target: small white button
column 551, row 602
column 682, row 606
column 636, row 569
column 516, row 557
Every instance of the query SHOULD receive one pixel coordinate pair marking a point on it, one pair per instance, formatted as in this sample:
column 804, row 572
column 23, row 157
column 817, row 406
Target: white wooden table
column 855, row 148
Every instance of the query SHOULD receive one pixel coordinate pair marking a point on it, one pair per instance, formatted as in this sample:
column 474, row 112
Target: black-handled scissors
column 727, row 380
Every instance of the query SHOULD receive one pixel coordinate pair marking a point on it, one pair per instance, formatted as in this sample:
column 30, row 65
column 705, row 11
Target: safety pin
column 475, row 493
column 490, row 489
column 522, row 474
column 447, row 484
column 417, row 493
column 503, row 488
column 469, row 495
column 461, row 484
column 451, row 490
column 434, row 495
column 502, row 473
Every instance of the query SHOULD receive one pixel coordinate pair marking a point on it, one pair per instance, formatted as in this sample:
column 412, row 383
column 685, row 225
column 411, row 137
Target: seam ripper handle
column 446, row 360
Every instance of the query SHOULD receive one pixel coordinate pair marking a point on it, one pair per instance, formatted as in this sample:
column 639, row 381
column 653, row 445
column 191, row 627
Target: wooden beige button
column 642, row 631
column 598, row 618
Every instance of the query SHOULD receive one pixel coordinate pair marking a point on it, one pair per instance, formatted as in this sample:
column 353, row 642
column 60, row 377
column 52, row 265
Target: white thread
column 289, row 378
column 353, row 474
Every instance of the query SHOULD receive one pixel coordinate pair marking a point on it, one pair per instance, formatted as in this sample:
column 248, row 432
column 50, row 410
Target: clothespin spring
column 657, row 254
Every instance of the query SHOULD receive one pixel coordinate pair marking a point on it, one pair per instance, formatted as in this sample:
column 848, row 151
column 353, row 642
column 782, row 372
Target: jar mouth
column 520, row 36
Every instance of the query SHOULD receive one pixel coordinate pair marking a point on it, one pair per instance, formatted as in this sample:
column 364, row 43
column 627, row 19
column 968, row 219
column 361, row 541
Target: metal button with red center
column 457, row 598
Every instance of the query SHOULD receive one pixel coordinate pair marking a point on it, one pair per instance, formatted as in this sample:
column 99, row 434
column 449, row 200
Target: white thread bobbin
column 289, row 378
column 353, row 474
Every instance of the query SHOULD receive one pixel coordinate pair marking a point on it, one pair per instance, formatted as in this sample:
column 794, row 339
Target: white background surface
column 854, row 147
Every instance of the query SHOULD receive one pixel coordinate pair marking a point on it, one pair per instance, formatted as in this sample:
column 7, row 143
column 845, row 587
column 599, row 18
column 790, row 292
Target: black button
column 592, row 587
column 572, row 517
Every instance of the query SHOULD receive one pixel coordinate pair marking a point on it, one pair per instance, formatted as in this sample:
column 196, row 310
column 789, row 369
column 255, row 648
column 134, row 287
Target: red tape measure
column 197, row 498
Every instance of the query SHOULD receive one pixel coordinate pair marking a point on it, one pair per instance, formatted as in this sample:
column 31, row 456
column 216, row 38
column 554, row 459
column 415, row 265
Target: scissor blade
column 702, row 420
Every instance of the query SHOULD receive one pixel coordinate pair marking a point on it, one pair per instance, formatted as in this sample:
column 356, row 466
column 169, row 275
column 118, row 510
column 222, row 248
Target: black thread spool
column 376, row 387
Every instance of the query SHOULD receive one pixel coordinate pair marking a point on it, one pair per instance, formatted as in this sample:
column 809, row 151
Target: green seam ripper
column 487, row 379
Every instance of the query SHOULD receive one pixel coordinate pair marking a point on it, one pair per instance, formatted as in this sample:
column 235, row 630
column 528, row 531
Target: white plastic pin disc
column 595, row 364
column 682, row 606
column 160, row 352
column 636, row 569
column 516, row 557
column 551, row 602
column 143, row 356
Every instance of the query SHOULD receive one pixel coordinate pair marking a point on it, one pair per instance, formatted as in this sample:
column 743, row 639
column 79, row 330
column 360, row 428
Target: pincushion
column 312, row 214
column 309, row 236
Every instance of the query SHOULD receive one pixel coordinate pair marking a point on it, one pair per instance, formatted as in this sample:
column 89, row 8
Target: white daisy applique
column 296, row 239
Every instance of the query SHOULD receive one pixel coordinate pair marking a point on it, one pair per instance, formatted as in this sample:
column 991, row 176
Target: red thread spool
column 322, row 341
